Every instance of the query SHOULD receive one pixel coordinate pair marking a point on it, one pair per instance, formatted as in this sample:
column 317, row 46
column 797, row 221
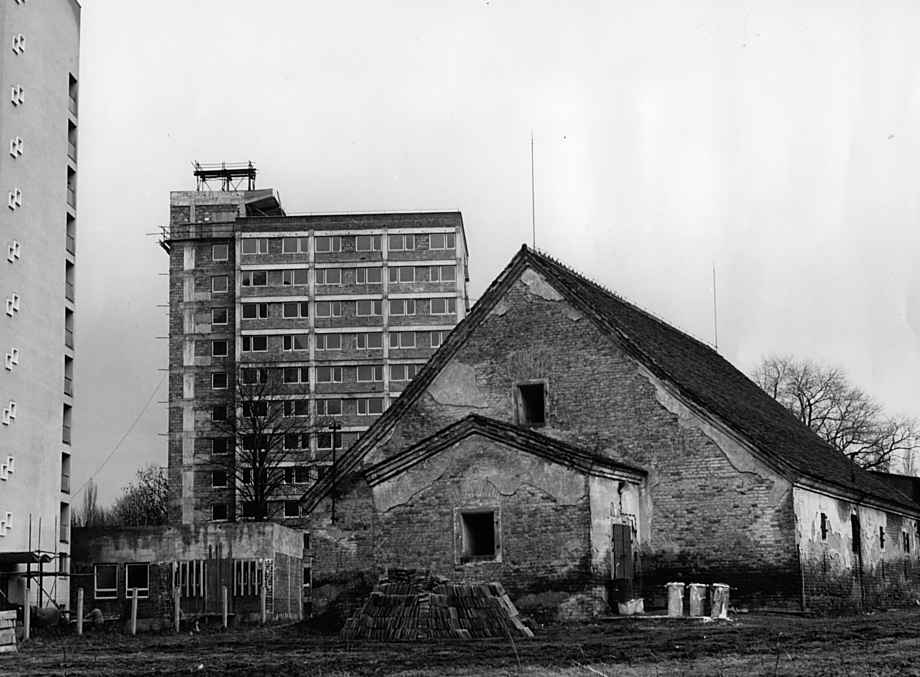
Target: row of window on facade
column 220, row 512
column 292, row 442
column 336, row 277
column 327, row 406
column 356, row 341
column 331, row 244
column 856, row 534
column 364, row 373
column 188, row 576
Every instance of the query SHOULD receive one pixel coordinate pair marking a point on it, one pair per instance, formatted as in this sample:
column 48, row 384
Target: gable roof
column 697, row 373
column 523, row 439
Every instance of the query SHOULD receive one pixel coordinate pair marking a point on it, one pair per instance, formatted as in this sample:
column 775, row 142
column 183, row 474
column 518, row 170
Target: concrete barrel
column 675, row 599
column 720, row 600
column 697, row 598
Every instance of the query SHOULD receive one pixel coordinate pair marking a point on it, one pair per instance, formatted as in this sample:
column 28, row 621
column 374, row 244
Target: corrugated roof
column 696, row 371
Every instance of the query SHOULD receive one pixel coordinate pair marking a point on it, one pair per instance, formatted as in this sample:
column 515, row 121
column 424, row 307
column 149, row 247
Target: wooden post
column 79, row 611
column 264, row 597
column 27, row 614
column 133, row 611
column 176, row 608
column 223, row 606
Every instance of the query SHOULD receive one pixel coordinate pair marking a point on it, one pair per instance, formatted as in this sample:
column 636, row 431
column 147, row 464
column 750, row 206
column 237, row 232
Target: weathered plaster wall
column 840, row 576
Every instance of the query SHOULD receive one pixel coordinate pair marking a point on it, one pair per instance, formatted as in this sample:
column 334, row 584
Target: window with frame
column 399, row 243
column 296, row 408
column 401, row 274
column 369, row 341
column 296, row 342
column 218, row 479
column 329, row 407
column 296, row 374
column 246, row 478
column 254, row 344
column 327, row 244
column 328, row 341
column 105, row 580
column 367, row 243
column 219, row 348
column 220, row 284
column 295, row 309
column 436, row 338
column 906, row 541
column 294, row 245
column 478, row 536
column 255, row 375
column 220, row 445
column 368, row 307
column 297, row 277
column 219, row 380
column 248, row 574
column 443, row 306
column 370, row 406
column 255, row 311
column 329, row 309
column 328, row 276
column 219, row 412
column 257, row 408
column 219, row 316
column 369, row 373
column 442, row 273
column 296, row 441
column 255, row 245
column 442, row 241
column 292, row 508
column 248, row 510
column 402, row 339
column 137, row 577
column 254, row 278
column 329, row 374
column 368, row 275
column 404, row 372
column 824, row 527
column 402, row 306
column 881, row 538
column 324, row 442
column 220, row 252
column 219, row 512
column 530, row 403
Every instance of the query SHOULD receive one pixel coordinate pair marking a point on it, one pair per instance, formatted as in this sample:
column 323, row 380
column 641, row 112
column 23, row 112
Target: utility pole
column 335, row 426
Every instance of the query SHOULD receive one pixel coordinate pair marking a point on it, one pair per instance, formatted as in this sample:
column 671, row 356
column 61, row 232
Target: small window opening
column 823, row 527
column 881, row 538
column 478, row 535
column 857, row 540
column 531, row 404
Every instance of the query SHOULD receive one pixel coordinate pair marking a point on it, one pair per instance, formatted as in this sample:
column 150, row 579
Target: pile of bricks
column 7, row 631
column 410, row 605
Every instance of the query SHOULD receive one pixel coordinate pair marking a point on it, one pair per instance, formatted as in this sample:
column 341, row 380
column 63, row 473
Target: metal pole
column 79, row 611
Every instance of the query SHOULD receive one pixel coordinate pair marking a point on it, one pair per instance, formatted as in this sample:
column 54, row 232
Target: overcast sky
column 776, row 140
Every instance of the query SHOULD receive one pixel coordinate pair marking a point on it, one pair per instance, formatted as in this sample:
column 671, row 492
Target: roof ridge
column 590, row 280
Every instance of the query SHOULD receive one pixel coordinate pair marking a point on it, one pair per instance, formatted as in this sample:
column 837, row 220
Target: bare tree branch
column 825, row 400
column 145, row 501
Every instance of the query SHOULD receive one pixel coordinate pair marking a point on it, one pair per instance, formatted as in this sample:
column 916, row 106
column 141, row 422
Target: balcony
column 65, row 484
column 65, row 434
column 71, row 197
column 68, row 338
column 65, row 533
column 72, row 151
column 68, row 291
column 72, row 106
column 68, row 386
column 71, row 245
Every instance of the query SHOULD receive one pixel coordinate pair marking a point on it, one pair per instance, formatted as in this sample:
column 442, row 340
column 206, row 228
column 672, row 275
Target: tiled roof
column 696, row 371
column 509, row 435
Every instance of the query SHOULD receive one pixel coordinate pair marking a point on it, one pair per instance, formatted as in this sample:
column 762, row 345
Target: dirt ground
column 752, row 644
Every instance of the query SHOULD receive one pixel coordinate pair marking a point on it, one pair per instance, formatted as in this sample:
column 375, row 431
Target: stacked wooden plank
column 411, row 605
column 7, row 631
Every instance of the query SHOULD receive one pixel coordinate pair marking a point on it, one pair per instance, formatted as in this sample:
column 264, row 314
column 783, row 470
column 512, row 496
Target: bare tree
column 825, row 400
column 89, row 513
column 268, row 432
column 144, row 501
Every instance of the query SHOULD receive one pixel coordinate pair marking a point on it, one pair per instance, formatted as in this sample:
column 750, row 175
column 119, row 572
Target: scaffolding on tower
column 232, row 176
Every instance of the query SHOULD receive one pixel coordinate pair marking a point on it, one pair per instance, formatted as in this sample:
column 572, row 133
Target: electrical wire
column 107, row 458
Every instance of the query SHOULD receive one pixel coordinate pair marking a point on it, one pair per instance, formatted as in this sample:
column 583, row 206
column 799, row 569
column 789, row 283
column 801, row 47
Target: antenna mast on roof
column 715, row 309
column 533, row 211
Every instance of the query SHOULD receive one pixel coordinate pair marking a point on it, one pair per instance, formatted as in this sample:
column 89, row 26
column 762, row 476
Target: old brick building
column 341, row 310
column 563, row 438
